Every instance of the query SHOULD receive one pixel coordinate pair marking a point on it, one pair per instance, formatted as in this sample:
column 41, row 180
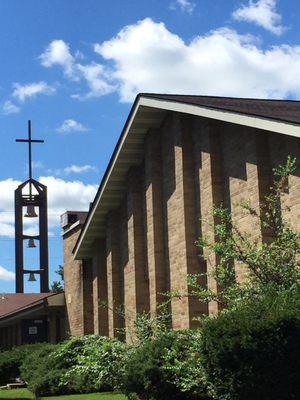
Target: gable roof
column 15, row 302
column 148, row 111
column 279, row 110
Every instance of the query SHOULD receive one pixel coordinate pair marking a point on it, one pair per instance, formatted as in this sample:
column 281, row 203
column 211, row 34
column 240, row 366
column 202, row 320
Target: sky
column 74, row 68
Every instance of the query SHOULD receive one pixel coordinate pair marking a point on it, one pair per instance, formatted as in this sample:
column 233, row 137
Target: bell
column 30, row 212
column 31, row 243
column 31, row 277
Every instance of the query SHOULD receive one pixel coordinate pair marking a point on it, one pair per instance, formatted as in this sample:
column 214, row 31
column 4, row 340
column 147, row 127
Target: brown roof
column 13, row 302
column 282, row 110
column 277, row 110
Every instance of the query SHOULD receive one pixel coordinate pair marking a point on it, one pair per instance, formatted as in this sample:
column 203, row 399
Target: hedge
column 253, row 351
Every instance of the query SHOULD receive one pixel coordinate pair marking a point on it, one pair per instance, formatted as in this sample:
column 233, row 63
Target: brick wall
column 73, row 285
column 100, row 294
column 155, row 245
column 190, row 165
column 78, row 288
column 136, row 281
column 180, row 216
column 115, row 277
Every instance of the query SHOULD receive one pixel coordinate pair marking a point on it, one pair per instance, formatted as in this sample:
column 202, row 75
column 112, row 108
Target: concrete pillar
column 157, row 266
column 114, row 274
column 136, row 283
column 100, row 288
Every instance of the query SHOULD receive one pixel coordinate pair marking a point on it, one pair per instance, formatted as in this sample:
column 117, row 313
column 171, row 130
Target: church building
column 27, row 318
column 177, row 157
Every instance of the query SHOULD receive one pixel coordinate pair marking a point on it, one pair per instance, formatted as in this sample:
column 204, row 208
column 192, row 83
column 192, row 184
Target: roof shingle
column 13, row 302
column 280, row 110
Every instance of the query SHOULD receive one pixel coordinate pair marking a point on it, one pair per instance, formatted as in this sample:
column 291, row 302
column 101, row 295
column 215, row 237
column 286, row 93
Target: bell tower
column 31, row 196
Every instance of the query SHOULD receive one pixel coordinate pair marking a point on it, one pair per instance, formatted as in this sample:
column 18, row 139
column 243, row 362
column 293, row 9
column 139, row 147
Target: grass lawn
column 24, row 394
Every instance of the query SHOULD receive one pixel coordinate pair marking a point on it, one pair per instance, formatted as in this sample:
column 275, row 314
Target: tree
column 272, row 264
column 58, row 286
column 60, row 272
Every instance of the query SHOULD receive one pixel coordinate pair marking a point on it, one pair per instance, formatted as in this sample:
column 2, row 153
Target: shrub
column 38, row 369
column 167, row 367
column 11, row 360
column 253, row 351
column 79, row 365
column 44, row 370
column 100, row 366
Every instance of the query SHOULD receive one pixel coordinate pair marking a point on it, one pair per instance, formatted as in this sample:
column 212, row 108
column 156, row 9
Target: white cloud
column 58, row 53
column 70, row 125
column 184, row 5
column 62, row 195
column 79, row 169
column 37, row 164
column 6, row 275
column 7, row 229
column 95, row 75
column 97, row 79
column 22, row 92
column 10, row 108
column 262, row 13
column 147, row 57
column 68, row 195
column 7, row 190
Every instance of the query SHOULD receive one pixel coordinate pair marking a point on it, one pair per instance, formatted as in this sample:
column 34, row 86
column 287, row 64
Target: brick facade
column 78, row 289
column 136, row 282
column 100, row 289
column 155, row 246
column 189, row 165
column 115, row 278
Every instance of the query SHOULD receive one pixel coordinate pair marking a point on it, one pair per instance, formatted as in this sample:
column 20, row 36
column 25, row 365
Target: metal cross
column 30, row 141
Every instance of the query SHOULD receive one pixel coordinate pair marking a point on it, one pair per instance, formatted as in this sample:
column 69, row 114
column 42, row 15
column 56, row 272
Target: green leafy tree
column 60, row 272
column 58, row 286
column 145, row 325
column 271, row 264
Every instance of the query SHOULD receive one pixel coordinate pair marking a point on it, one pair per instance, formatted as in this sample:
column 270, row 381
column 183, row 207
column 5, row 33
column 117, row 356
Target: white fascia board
column 266, row 124
column 285, row 128
column 70, row 228
column 90, row 217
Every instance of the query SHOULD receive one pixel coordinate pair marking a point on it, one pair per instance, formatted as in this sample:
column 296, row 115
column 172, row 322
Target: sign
column 32, row 330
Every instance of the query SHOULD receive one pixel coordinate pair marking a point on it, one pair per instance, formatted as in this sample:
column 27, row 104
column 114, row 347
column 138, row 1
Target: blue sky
column 74, row 68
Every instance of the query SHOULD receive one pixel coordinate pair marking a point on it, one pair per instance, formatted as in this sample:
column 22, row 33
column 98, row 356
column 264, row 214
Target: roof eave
column 150, row 103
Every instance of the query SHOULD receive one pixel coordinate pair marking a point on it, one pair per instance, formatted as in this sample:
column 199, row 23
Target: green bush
column 253, row 351
column 167, row 367
column 79, row 365
column 11, row 360
column 99, row 367
column 40, row 371
column 45, row 370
